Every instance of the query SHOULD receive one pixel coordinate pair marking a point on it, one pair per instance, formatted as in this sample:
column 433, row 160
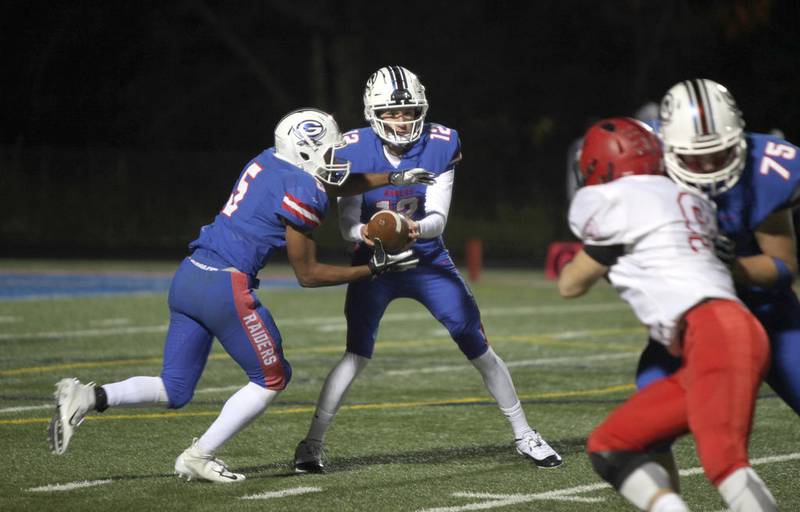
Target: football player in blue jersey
column 754, row 180
column 398, row 137
column 277, row 202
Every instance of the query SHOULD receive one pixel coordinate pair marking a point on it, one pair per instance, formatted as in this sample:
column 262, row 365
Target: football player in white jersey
column 653, row 240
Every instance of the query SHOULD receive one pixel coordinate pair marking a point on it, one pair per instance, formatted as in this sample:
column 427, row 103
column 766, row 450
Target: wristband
column 784, row 274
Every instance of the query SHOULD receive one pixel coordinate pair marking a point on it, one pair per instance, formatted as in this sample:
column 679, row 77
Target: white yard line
column 223, row 388
column 70, row 486
column 110, row 322
column 325, row 322
column 24, row 408
column 512, row 364
column 491, row 500
column 295, row 491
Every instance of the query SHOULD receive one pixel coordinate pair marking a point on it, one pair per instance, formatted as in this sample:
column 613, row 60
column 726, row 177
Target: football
column 391, row 228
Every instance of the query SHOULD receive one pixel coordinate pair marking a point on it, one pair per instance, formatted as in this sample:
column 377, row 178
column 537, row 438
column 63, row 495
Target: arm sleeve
column 304, row 204
column 350, row 218
column 437, row 205
column 596, row 217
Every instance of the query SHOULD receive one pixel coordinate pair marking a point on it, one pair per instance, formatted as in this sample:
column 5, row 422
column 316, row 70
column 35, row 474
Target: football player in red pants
column 654, row 241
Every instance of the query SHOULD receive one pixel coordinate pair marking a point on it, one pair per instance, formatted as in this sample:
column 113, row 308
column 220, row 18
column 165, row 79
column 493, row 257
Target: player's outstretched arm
column 579, row 275
column 302, row 252
column 778, row 263
column 360, row 183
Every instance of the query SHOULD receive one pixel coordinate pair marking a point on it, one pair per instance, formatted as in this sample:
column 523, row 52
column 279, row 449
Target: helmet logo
column 667, row 106
column 401, row 95
column 309, row 130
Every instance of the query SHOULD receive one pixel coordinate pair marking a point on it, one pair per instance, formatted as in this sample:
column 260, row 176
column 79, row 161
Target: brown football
column 391, row 228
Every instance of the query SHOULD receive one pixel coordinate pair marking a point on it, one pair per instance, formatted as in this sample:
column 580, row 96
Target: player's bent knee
column 472, row 342
column 615, row 466
column 276, row 377
column 178, row 398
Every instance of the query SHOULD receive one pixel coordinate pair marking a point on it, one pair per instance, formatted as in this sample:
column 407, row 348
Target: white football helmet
column 309, row 138
column 703, row 134
column 394, row 87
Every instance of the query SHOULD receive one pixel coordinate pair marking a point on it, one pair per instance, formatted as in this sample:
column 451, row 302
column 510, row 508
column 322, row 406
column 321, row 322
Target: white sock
column 241, row 408
column 647, row 485
column 498, row 381
column 330, row 397
column 744, row 491
column 136, row 390
column 669, row 502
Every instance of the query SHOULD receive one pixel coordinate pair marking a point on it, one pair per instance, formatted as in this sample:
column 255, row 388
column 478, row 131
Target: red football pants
column 725, row 357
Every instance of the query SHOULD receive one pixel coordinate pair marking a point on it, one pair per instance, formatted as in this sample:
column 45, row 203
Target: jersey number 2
column 407, row 206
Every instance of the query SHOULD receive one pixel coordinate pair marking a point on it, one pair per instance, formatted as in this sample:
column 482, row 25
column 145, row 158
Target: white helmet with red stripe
column 308, row 138
column 703, row 134
column 394, row 88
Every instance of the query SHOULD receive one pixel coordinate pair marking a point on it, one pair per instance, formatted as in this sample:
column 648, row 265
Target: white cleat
column 73, row 401
column 193, row 464
column 532, row 446
column 309, row 457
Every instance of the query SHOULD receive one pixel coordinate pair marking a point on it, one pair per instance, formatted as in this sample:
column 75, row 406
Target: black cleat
column 309, row 457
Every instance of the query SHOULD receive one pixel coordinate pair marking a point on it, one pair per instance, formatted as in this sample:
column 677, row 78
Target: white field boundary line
column 295, row 491
column 551, row 361
column 70, row 486
column 324, row 321
column 491, row 501
column 24, row 408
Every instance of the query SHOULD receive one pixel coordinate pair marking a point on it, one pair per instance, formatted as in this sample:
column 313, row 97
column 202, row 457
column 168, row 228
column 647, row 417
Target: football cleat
column 532, row 446
column 309, row 457
column 73, row 401
column 193, row 464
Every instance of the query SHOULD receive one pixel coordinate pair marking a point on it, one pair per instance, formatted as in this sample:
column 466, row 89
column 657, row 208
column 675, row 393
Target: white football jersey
column 668, row 234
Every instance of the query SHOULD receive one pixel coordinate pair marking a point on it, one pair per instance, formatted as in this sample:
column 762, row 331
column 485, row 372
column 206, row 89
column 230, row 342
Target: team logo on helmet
column 310, row 130
column 401, row 95
column 666, row 109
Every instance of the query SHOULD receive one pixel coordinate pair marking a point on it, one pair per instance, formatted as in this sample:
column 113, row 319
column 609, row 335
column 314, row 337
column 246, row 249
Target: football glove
column 412, row 177
column 725, row 248
column 381, row 262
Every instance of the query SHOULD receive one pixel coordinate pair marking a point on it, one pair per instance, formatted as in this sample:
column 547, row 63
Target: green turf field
column 418, row 431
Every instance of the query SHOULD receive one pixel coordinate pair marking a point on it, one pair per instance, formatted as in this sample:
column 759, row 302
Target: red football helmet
column 617, row 147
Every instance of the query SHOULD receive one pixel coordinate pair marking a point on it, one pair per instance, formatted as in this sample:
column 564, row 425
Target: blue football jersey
column 269, row 193
column 769, row 181
column 437, row 151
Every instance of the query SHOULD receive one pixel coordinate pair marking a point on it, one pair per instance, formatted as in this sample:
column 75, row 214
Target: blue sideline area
column 20, row 285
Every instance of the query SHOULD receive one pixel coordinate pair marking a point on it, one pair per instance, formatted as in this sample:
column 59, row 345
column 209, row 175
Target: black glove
column 412, row 177
column 381, row 262
column 725, row 248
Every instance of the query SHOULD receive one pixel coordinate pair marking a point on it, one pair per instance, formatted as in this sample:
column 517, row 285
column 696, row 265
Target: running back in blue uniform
column 758, row 206
column 278, row 200
column 398, row 138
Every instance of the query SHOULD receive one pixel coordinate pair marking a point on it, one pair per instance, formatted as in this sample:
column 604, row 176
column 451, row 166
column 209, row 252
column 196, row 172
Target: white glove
column 412, row 177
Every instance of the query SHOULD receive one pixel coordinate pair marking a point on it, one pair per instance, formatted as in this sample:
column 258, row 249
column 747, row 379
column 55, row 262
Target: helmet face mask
column 703, row 134
column 395, row 105
column 308, row 138
column 617, row 147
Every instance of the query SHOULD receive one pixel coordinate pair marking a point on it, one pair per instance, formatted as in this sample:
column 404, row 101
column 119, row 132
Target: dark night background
column 125, row 124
